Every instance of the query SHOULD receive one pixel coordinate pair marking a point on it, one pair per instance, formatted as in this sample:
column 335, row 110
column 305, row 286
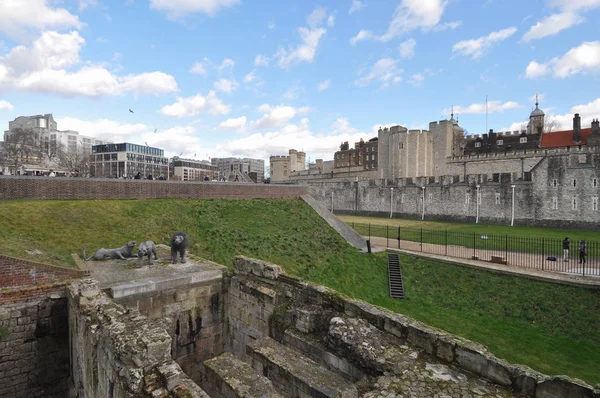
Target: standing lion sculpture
column 124, row 252
column 146, row 249
column 179, row 244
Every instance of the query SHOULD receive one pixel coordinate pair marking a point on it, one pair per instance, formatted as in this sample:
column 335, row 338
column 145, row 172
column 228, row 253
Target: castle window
column 554, row 203
column 595, row 203
column 467, row 198
column 554, row 183
column 595, row 182
column 478, row 145
column 523, row 140
column 402, row 145
column 500, row 142
column 574, row 203
column 497, row 198
column 574, row 183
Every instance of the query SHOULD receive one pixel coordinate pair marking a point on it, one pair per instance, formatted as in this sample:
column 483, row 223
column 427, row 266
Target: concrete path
column 341, row 227
column 457, row 255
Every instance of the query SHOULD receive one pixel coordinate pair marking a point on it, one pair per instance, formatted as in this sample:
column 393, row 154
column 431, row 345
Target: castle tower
column 536, row 120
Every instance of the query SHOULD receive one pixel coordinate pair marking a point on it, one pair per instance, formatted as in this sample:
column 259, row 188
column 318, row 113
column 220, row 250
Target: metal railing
column 545, row 254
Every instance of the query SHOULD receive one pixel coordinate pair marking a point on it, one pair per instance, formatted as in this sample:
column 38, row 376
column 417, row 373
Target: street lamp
column 391, row 202
column 423, row 200
column 512, row 218
column 477, row 200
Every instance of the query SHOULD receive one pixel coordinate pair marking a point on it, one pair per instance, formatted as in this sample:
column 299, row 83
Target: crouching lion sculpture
column 122, row 253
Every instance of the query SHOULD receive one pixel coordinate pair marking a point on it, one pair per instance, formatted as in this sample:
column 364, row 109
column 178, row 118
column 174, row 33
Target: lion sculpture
column 179, row 244
column 124, row 252
column 147, row 248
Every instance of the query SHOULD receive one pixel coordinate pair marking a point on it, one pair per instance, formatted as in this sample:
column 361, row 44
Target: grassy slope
column 554, row 233
column 552, row 328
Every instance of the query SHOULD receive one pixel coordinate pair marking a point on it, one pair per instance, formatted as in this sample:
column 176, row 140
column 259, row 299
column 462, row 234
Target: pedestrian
column 582, row 251
column 566, row 245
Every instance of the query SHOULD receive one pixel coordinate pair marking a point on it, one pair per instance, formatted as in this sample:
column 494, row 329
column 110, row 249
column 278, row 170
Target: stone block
column 525, row 380
column 475, row 358
column 423, row 336
column 249, row 266
column 396, row 325
column 563, row 387
column 445, row 348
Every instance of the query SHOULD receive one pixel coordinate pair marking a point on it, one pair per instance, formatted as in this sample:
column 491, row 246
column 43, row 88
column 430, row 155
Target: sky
column 255, row 78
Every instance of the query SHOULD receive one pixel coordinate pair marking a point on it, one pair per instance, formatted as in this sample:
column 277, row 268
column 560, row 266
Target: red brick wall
column 18, row 272
column 97, row 188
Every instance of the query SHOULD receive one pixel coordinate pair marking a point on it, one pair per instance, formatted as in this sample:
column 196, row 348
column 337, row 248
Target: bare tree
column 74, row 160
column 21, row 146
column 551, row 126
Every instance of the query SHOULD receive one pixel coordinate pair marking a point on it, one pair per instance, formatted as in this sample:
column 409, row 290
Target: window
column 478, row 145
column 497, row 198
column 574, row 183
column 402, row 145
column 574, row 203
column 595, row 182
column 554, row 183
column 42, row 123
column 554, row 203
column 500, row 142
column 595, row 203
column 467, row 198
column 523, row 140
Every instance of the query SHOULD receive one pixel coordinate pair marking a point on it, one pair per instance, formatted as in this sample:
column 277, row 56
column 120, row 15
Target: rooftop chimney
column 594, row 138
column 577, row 128
column 595, row 126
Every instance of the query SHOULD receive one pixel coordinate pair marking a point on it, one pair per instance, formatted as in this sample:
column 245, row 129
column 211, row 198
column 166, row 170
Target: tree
column 551, row 126
column 21, row 146
column 74, row 160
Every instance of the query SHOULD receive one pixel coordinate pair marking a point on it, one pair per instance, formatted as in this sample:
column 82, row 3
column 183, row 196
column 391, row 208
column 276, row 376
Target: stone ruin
column 202, row 331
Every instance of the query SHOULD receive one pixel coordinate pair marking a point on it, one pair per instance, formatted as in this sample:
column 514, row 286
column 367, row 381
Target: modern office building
column 246, row 169
column 192, row 169
column 125, row 160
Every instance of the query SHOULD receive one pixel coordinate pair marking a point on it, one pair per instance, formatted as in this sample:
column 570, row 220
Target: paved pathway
column 524, row 264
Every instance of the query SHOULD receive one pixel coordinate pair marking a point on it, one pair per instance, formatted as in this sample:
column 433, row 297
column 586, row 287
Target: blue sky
column 256, row 78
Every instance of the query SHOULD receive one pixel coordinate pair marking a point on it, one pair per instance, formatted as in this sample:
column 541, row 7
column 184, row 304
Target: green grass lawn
column 552, row 328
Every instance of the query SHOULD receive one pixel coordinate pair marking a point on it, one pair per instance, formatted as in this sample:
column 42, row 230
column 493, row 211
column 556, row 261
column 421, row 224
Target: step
column 313, row 347
column 295, row 375
column 228, row 377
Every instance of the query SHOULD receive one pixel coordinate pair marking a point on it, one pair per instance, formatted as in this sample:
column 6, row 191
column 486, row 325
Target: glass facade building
column 125, row 160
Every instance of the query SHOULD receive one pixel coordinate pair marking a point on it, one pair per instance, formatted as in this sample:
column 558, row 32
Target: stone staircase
column 395, row 276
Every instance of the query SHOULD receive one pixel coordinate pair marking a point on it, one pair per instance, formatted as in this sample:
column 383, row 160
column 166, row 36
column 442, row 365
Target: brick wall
column 17, row 272
column 12, row 187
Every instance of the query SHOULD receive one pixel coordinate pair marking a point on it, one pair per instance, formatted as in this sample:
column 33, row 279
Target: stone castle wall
column 19, row 272
column 95, row 188
column 546, row 200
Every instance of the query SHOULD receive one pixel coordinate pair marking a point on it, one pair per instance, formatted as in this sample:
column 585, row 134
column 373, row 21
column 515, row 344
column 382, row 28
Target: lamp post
column 477, row 200
column 391, row 202
column 423, row 200
column 512, row 218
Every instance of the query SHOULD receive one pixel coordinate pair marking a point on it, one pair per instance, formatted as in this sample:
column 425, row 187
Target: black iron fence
column 545, row 254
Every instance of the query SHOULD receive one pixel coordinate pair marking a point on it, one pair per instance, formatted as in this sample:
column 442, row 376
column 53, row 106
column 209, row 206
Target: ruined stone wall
column 195, row 314
column 19, row 272
column 117, row 352
column 96, row 188
column 34, row 349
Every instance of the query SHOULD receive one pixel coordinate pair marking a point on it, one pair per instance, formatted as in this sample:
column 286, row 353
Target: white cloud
column 356, row 6
column 385, row 71
column 271, row 25
column 475, row 48
column 331, row 21
column 198, row 69
column 293, row 92
column 535, row 70
column 552, row 25
column 447, row 26
column 227, row 63
column 305, row 52
column 83, row 4
column 492, row 107
column 568, row 16
column 233, row 124
column 582, row 59
column 105, row 129
column 226, row 85
column 250, row 77
column 191, row 106
column 407, row 48
column 315, row 18
column 19, row 18
column 261, row 60
column 276, row 116
column 411, row 15
column 179, row 8
column 324, row 85
column 6, row 105
column 47, row 65
column 417, row 79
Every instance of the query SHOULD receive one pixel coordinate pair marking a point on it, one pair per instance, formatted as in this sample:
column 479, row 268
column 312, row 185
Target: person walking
column 566, row 244
column 582, row 251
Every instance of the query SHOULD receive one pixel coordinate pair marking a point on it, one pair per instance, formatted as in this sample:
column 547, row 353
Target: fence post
column 387, row 236
column 398, row 236
column 421, row 238
column 446, row 243
column 474, row 253
column 506, row 248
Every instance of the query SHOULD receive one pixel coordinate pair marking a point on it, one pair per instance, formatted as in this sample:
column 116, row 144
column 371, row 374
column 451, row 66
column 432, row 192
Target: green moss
column 4, row 331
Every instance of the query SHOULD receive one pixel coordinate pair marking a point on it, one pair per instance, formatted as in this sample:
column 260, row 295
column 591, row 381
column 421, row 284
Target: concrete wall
column 94, row 188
